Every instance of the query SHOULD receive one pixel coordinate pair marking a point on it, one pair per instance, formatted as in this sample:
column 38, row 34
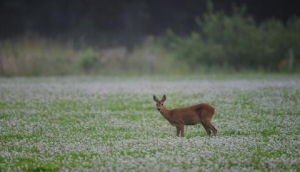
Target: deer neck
column 165, row 113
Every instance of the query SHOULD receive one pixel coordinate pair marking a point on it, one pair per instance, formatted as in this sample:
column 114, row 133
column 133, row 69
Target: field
column 110, row 124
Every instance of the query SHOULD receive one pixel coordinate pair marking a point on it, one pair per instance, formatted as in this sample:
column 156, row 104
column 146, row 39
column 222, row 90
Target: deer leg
column 178, row 130
column 214, row 130
column 182, row 130
column 207, row 129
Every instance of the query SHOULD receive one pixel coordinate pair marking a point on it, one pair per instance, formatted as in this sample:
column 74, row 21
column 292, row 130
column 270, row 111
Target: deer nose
column 158, row 109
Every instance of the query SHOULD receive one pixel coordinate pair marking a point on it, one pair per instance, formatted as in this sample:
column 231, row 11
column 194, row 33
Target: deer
column 179, row 117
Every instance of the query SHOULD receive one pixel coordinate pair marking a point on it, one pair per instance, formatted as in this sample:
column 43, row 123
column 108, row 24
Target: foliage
column 88, row 59
column 237, row 40
column 222, row 43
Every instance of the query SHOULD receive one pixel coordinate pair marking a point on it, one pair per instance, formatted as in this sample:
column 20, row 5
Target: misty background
column 133, row 37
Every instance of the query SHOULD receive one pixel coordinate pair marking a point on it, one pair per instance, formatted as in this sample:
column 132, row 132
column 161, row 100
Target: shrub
column 88, row 59
column 237, row 41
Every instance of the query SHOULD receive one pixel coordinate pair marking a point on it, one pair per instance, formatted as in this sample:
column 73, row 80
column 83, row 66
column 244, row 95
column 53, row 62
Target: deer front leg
column 182, row 130
column 178, row 130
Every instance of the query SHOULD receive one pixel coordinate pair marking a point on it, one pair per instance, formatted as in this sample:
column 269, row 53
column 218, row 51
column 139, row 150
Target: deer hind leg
column 206, row 116
column 207, row 129
column 214, row 130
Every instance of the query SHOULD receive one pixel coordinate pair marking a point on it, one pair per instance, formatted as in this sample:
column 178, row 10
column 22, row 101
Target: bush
column 237, row 41
column 88, row 59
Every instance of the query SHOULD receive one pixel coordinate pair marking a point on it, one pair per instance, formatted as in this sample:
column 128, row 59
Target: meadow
column 111, row 124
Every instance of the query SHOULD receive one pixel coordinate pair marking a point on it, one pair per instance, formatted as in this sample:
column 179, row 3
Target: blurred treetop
column 127, row 20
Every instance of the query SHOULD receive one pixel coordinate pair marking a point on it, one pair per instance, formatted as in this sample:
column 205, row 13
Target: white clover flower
column 106, row 125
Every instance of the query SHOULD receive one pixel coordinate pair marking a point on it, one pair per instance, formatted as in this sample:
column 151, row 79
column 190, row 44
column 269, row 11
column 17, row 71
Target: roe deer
column 201, row 113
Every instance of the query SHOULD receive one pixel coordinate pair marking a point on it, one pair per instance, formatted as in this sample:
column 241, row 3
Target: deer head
column 159, row 103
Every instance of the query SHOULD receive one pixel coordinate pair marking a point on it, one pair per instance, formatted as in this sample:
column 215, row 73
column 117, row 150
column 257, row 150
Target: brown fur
column 201, row 113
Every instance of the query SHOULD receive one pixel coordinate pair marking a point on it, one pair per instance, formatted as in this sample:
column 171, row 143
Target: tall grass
column 34, row 56
column 37, row 56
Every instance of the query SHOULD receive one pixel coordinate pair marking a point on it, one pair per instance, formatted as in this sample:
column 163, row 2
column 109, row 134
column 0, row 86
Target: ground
column 111, row 124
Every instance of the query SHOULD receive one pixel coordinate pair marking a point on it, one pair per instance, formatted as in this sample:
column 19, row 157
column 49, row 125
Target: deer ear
column 164, row 98
column 155, row 98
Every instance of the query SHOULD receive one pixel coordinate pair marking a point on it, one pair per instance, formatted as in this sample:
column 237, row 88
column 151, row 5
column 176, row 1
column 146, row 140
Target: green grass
column 96, row 124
